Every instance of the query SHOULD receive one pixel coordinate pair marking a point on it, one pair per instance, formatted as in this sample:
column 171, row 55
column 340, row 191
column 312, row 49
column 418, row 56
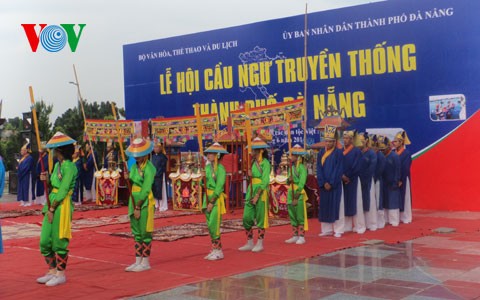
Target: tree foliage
column 70, row 123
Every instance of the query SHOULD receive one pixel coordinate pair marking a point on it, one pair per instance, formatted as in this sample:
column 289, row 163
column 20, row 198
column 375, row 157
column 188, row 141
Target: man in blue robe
column 354, row 219
column 89, row 170
column 401, row 139
column 159, row 161
column 329, row 177
column 24, row 173
column 378, row 181
column 368, row 164
column 391, row 182
column 40, row 186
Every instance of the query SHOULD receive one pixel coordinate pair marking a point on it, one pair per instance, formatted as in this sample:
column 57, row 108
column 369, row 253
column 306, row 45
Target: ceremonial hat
column 382, row 142
column 298, row 150
column 373, row 140
column 139, row 147
column 27, row 146
column 216, row 148
column 59, row 139
column 350, row 133
column 402, row 135
column 362, row 139
column 258, row 143
column 330, row 133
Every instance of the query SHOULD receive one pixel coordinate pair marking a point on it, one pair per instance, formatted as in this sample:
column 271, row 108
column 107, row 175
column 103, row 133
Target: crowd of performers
column 30, row 189
column 363, row 185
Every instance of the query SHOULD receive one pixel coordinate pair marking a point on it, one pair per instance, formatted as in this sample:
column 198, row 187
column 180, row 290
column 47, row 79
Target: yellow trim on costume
column 150, row 211
column 65, row 227
column 326, row 154
column 305, row 198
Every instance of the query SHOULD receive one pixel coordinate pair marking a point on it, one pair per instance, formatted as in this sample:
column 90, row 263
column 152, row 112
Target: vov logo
column 53, row 37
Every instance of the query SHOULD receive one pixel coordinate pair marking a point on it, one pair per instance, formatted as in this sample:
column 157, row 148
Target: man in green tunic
column 141, row 207
column 214, row 202
column 297, row 197
column 256, row 200
column 57, row 221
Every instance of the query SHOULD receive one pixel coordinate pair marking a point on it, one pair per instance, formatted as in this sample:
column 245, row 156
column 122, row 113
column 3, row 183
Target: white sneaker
column 144, row 266
column 28, row 204
column 325, row 233
column 258, row 247
column 292, row 240
column 216, row 255
column 301, row 241
column 45, row 278
column 208, row 255
column 138, row 260
column 56, row 280
column 247, row 247
column 337, row 235
column 22, row 203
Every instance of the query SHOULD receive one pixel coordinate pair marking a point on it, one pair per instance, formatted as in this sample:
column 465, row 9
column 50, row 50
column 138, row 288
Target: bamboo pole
column 122, row 153
column 89, row 139
column 37, row 133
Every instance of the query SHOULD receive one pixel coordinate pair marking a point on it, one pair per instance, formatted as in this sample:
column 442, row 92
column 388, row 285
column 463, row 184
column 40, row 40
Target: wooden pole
column 122, row 153
column 89, row 139
column 289, row 134
column 305, row 111
column 248, row 129
column 200, row 149
column 37, row 133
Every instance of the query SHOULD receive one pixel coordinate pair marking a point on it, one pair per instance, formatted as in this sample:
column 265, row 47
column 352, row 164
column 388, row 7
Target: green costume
column 215, row 189
column 55, row 236
column 297, row 213
column 259, row 211
column 142, row 180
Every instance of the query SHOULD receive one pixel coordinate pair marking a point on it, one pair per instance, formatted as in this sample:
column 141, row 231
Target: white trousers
column 338, row 225
column 371, row 218
column 359, row 218
column 392, row 216
column 380, row 212
column 406, row 215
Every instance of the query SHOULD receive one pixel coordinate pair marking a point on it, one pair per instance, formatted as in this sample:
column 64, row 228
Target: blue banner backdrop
column 396, row 64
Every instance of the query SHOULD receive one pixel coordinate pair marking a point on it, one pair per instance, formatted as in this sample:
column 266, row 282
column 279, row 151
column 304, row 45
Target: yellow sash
column 305, row 198
column 150, row 207
column 263, row 197
column 220, row 206
column 65, row 227
column 326, row 154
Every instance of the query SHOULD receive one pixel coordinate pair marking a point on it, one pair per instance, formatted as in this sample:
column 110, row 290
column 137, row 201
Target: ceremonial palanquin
column 187, row 183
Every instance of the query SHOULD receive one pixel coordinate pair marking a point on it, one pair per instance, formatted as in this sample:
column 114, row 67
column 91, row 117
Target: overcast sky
column 110, row 25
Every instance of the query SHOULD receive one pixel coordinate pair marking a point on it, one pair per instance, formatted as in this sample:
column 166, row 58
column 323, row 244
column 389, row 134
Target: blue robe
column 2, row 186
column 378, row 177
column 40, row 190
column 24, row 173
column 368, row 163
column 159, row 161
column 330, row 172
column 405, row 164
column 90, row 170
column 78, row 189
column 351, row 169
column 391, row 177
